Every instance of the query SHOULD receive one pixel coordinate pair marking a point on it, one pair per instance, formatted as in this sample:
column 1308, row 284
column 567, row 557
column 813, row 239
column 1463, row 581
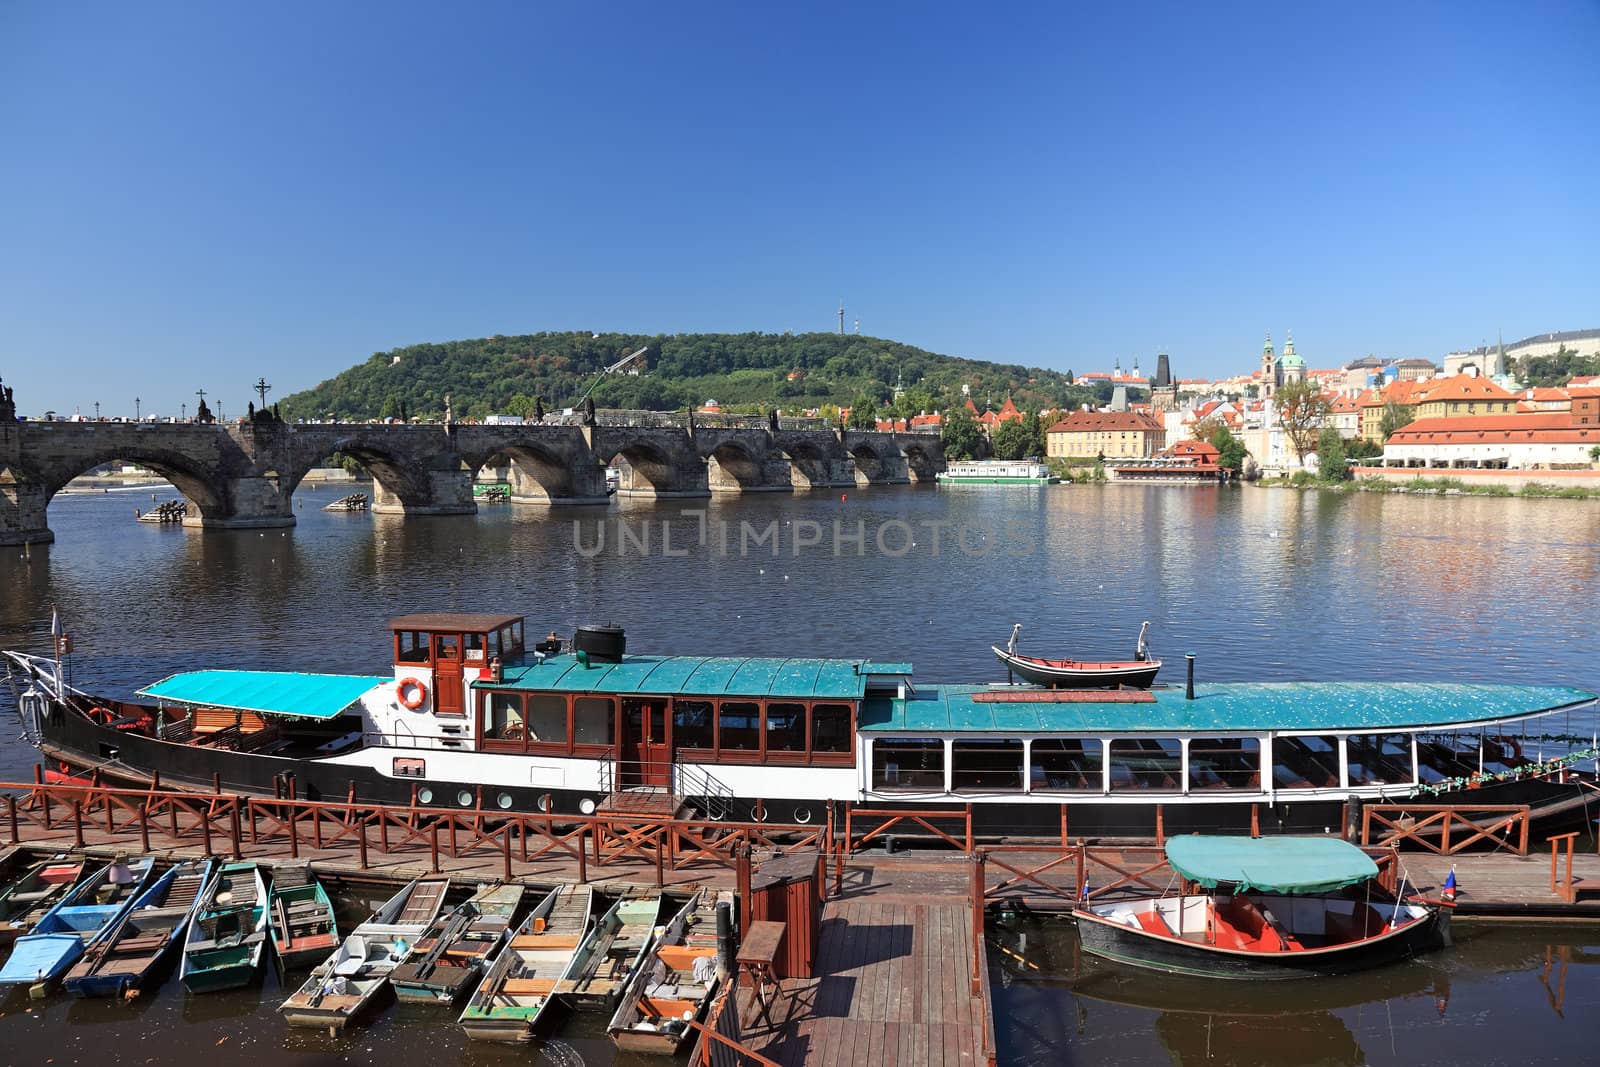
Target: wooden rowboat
column 1136, row 673
column 301, row 922
column 458, row 947
column 612, row 954
column 81, row 918
column 675, row 985
column 343, row 986
column 33, row 893
column 228, row 934
column 521, row 985
column 129, row 957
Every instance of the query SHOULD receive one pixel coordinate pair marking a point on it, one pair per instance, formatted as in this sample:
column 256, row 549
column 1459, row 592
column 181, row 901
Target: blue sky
column 196, row 195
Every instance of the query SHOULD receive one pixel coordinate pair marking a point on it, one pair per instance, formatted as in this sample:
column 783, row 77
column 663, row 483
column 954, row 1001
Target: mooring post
column 361, row 838
column 1065, row 840
column 44, row 799
column 505, row 852
column 111, row 826
column 294, row 835
column 583, row 858
column 77, row 822
column 1255, row 820
column 433, row 844
column 216, row 782
column 975, row 861
column 205, row 830
column 172, row 811
column 742, row 867
column 144, row 827
column 659, row 880
column 1161, row 825
column 155, row 780
column 233, row 830
column 11, row 813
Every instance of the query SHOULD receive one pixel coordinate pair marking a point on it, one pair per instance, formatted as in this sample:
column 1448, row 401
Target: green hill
column 751, row 371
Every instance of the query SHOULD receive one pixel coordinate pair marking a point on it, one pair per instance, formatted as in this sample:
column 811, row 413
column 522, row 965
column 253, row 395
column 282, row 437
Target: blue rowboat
column 130, row 955
column 82, row 917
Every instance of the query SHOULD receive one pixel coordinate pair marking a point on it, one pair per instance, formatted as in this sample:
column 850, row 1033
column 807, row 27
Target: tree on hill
column 961, row 436
column 1302, row 412
column 863, row 414
column 1331, row 457
column 1009, row 440
column 1557, row 369
column 1395, row 416
column 1232, row 449
column 1205, row 429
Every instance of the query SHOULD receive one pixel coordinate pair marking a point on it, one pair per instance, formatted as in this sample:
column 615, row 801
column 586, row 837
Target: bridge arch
column 398, row 483
column 921, row 463
column 203, row 488
column 878, row 465
column 811, row 465
column 734, row 467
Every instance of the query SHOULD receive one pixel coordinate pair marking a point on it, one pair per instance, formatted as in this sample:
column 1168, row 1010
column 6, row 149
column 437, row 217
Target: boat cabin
column 437, row 656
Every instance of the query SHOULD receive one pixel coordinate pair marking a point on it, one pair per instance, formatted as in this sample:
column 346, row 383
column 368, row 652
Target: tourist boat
column 521, row 984
column 343, row 986
column 80, row 919
column 301, row 919
column 612, row 954
column 675, row 984
column 458, row 947
column 469, row 716
column 1137, row 673
column 997, row 472
column 1280, row 907
column 130, row 955
column 228, row 935
column 27, row 898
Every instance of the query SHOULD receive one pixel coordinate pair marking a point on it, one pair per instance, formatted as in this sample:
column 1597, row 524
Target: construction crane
column 621, row 365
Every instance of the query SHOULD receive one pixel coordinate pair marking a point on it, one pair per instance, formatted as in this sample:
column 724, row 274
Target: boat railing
column 696, row 781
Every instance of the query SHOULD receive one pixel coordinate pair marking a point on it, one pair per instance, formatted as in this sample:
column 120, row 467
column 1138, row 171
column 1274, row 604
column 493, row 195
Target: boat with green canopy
column 1279, row 907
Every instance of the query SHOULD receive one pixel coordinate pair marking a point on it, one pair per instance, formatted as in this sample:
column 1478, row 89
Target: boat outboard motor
column 603, row 644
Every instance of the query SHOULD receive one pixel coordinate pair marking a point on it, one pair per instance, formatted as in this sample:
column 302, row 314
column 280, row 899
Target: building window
column 1224, row 763
column 1305, row 762
column 594, row 721
column 739, row 726
column 1146, row 763
column 547, row 719
column 786, row 727
column 912, row 763
column 1066, row 765
column 694, row 725
column 1378, row 759
column 987, row 765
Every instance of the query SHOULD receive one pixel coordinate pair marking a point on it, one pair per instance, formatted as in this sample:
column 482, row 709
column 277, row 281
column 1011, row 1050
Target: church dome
column 1290, row 357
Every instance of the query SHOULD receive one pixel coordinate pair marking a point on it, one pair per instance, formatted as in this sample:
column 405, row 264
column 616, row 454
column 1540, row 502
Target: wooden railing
column 1445, row 829
column 721, row 1042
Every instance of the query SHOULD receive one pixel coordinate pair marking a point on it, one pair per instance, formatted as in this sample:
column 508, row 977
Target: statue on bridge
column 772, row 419
column 538, row 409
column 588, row 413
column 8, row 404
column 203, row 413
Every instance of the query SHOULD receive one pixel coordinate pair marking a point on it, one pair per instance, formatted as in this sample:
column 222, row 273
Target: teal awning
column 308, row 696
column 1270, row 864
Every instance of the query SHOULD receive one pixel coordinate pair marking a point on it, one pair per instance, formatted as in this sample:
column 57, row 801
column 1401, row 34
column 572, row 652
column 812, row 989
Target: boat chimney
column 1188, row 684
column 726, row 952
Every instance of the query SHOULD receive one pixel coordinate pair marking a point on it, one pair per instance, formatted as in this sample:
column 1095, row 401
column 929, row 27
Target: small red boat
column 1137, row 673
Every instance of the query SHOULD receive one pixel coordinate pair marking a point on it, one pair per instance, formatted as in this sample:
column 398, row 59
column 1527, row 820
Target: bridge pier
column 22, row 512
column 585, row 484
column 256, row 503
column 442, row 493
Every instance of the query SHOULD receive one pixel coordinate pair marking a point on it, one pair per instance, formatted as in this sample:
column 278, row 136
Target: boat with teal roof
column 472, row 711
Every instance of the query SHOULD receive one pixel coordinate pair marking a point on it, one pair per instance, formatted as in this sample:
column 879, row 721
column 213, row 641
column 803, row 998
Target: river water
column 1260, row 584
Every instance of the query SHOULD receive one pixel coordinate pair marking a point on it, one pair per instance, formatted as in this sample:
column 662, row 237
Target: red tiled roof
column 1204, row 451
column 1106, row 422
column 1550, row 427
column 1460, row 387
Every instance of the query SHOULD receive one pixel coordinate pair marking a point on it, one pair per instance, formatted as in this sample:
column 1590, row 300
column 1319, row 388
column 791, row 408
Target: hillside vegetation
column 749, row 371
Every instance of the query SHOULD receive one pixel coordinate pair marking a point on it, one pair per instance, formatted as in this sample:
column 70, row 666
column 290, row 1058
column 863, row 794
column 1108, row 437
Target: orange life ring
column 415, row 684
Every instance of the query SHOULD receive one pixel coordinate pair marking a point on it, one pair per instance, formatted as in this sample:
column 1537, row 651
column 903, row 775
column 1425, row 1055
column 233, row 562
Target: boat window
column 986, row 765
column 830, row 727
column 1068, row 764
column 593, row 721
column 1305, row 762
column 786, row 727
column 412, row 646
column 1446, row 755
column 739, row 726
column 693, row 724
column 503, row 720
column 1378, row 759
column 493, row 640
column 1225, row 763
column 547, row 719
column 447, row 648
column 908, row 763
column 475, row 644
column 515, row 644
column 1146, row 763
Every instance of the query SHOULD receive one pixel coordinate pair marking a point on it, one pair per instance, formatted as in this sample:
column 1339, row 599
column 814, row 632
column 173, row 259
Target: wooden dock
column 893, row 983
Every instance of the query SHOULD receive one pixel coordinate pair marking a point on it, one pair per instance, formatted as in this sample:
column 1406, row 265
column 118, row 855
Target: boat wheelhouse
column 469, row 717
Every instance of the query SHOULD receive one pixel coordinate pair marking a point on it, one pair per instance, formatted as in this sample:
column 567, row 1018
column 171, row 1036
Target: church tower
column 1271, row 375
column 1163, row 387
column 1291, row 368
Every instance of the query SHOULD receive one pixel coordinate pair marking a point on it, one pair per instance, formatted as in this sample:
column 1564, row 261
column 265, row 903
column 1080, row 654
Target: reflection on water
column 1262, row 584
column 1502, row 994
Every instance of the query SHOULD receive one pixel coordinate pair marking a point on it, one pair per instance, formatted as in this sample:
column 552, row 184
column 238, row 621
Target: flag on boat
column 55, row 622
column 1450, row 884
column 1085, row 890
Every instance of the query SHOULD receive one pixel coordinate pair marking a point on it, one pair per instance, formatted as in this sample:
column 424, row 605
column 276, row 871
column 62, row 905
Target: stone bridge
column 245, row 475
